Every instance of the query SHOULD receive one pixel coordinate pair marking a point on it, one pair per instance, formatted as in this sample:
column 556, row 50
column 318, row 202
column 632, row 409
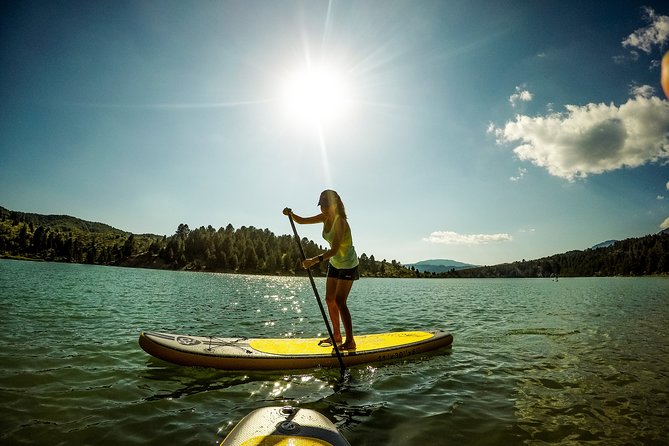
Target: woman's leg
column 341, row 296
column 333, row 309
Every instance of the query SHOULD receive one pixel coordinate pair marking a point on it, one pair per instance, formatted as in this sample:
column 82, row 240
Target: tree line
column 242, row 250
column 641, row 256
column 258, row 251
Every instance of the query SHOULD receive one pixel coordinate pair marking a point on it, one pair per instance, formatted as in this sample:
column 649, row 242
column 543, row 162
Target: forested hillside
column 641, row 256
column 259, row 251
column 242, row 250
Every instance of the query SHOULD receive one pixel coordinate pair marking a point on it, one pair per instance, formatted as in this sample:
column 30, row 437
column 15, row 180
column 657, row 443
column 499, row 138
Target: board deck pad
column 364, row 343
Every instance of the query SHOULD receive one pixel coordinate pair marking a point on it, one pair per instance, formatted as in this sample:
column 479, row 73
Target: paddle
column 318, row 298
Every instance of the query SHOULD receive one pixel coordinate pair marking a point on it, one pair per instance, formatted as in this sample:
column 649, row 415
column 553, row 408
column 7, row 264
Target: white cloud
column 521, row 95
column 619, row 59
column 665, row 224
column 453, row 238
column 521, row 173
column 592, row 139
column 622, row 59
column 667, row 185
column 660, row 197
column 655, row 34
column 645, row 91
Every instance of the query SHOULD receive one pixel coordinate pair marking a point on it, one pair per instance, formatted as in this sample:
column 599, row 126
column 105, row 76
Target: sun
column 316, row 95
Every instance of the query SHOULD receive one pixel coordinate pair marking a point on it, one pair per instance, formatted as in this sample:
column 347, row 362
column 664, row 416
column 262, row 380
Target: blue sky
column 484, row 132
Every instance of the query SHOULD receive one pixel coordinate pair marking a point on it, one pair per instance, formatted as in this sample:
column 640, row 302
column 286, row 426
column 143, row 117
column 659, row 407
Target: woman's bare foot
column 327, row 342
column 348, row 345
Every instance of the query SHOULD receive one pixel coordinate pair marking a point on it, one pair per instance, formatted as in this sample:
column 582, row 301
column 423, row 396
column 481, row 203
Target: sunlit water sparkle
column 579, row 361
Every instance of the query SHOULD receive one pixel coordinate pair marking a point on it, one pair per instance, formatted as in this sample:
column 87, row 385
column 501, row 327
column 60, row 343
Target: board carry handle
column 318, row 298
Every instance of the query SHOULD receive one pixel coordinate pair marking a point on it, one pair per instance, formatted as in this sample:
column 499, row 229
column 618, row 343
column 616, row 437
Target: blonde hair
column 329, row 196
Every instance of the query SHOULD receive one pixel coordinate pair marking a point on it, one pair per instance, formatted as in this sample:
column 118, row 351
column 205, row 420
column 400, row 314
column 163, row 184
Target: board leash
column 318, row 298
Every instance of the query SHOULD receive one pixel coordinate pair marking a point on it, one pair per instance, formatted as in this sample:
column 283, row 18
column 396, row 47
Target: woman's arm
column 320, row 218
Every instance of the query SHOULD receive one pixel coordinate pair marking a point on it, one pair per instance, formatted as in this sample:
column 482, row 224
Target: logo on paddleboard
column 183, row 340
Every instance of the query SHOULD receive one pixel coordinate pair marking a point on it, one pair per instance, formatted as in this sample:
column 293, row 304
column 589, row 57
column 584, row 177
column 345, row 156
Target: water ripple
column 534, row 362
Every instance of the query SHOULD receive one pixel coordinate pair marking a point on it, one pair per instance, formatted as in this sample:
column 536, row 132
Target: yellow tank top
column 346, row 257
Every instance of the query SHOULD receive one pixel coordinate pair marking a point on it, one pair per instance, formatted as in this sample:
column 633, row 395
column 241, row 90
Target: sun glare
column 316, row 95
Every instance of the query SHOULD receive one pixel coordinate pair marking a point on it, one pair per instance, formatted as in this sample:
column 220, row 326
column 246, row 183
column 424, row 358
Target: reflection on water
column 542, row 331
column 533, row 362
column 598, row 387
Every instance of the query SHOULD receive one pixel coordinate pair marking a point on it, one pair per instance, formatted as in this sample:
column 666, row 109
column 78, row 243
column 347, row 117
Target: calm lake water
column 579, row 361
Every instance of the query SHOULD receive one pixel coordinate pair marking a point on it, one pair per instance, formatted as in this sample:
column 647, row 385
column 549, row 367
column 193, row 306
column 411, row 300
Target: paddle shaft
column 318, row 298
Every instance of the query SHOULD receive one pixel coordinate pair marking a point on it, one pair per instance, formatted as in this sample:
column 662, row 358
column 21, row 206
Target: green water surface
column 579, row 361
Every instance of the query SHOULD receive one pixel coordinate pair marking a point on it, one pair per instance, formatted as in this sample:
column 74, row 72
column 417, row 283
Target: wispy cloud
column 453, row 238
column 521, row 173
column 172, row 106
column 665, row 224
column 656, row 33
column 521, row 95
column 594, row 138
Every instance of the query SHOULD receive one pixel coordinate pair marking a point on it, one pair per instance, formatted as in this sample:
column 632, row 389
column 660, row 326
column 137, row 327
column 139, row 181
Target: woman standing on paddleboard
column 342, row 265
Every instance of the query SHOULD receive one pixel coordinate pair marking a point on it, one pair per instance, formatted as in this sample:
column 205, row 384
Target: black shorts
column 343, row 274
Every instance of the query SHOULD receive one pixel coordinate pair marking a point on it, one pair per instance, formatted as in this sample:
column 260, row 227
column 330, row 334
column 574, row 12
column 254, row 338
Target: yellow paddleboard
column 282, row 354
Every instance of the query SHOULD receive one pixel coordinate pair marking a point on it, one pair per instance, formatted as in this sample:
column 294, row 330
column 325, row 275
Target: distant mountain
column 608, row 243
column 439, row 265
column 605, row 244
